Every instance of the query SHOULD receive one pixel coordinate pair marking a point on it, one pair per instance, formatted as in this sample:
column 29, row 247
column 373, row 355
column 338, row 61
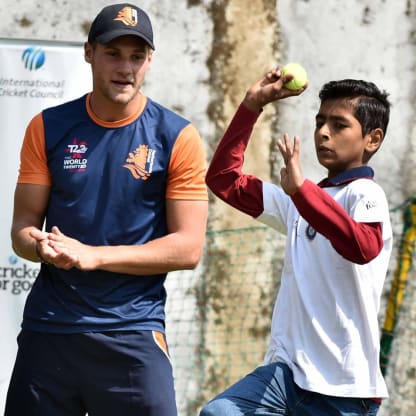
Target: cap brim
column 109, row 36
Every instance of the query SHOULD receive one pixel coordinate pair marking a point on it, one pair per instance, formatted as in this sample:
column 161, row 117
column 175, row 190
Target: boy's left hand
column 291, row 178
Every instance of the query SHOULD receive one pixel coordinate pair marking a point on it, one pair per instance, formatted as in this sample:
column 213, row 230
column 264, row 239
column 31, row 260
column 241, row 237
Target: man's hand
column 62, row 251
column 269, row 88
column 291, row 178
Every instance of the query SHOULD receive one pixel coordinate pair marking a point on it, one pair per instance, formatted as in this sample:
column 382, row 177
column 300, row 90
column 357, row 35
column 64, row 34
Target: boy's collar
column 348, row 176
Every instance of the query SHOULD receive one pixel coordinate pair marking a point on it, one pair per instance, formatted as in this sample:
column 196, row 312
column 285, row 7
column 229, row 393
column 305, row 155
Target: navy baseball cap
column 119, row 20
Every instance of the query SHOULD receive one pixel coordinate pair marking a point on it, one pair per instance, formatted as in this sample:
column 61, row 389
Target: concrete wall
column 208, row 52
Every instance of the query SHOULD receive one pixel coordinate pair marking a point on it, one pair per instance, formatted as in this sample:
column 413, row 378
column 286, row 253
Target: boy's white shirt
column 325, row 319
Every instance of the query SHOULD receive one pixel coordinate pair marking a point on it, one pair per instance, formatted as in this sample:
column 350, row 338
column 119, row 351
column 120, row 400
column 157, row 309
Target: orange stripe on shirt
column 33, row 161
column 117, row 123
column 187, row 168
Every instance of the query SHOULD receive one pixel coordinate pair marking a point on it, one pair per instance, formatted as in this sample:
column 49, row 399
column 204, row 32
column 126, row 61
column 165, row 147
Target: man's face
column 118, row 68
column 339, row 141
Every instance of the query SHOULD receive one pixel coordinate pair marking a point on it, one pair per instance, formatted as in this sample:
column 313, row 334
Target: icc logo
column 13, row 259
column 33, row 58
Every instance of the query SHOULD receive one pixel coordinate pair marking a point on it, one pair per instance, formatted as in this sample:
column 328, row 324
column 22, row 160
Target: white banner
column 33, row 75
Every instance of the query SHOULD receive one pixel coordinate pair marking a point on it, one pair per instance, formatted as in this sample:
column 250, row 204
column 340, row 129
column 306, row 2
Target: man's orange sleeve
column 187, row 167
column 33, row 161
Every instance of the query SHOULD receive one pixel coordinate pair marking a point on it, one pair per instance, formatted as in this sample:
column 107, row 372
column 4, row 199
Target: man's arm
column 180, row 249
column 30, row 203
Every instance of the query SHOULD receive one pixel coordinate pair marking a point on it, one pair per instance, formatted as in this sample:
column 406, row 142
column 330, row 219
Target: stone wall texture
column 208, row 52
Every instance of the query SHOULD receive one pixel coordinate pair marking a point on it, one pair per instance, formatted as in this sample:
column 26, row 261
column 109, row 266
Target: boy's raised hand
column 269, row 88
column 291, row 178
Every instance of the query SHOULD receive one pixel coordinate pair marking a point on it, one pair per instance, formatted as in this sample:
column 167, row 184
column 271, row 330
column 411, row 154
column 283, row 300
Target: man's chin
column 123, row 98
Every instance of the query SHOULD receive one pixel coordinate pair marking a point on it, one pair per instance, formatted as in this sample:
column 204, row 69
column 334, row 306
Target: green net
column 219, row 315
column 399, row 283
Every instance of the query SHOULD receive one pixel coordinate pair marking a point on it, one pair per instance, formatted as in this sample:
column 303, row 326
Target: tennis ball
column 299, row 73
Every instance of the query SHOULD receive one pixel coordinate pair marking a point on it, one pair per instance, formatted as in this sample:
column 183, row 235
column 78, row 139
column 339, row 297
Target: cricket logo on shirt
column 140, row 162
column 310, row 232
column 371, row 204
column 75, row 159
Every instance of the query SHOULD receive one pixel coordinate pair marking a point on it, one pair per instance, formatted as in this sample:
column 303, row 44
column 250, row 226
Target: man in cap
column 118, row 182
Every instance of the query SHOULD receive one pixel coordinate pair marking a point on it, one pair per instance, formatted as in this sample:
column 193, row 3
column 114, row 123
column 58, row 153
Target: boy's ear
column 375, row 138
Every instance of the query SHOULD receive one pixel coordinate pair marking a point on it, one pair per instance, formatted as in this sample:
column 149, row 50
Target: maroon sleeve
column 355, row 241
column 225, row 177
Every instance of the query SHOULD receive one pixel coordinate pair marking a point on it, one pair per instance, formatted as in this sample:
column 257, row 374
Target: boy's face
column 339, row 142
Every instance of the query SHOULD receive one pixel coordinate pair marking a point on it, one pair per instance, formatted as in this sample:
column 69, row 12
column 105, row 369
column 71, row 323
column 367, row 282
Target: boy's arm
column 225, row 177
column 356, row 241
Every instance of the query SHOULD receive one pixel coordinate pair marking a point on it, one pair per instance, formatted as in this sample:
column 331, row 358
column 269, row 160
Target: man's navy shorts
column 100, row 373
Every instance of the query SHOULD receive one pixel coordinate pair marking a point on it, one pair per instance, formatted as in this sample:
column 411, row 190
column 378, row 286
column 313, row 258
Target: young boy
column 324, row 348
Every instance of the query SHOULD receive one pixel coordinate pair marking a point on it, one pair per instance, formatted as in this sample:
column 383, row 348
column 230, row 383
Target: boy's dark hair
column 370, row 105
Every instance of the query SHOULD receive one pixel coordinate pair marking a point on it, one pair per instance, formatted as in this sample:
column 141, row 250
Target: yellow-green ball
column 299, row 73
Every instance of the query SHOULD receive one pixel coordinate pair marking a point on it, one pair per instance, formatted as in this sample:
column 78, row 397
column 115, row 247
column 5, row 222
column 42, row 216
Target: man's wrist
column 38, row 255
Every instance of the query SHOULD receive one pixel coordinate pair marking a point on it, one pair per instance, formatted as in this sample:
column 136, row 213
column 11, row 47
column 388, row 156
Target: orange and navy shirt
column 109, row 184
